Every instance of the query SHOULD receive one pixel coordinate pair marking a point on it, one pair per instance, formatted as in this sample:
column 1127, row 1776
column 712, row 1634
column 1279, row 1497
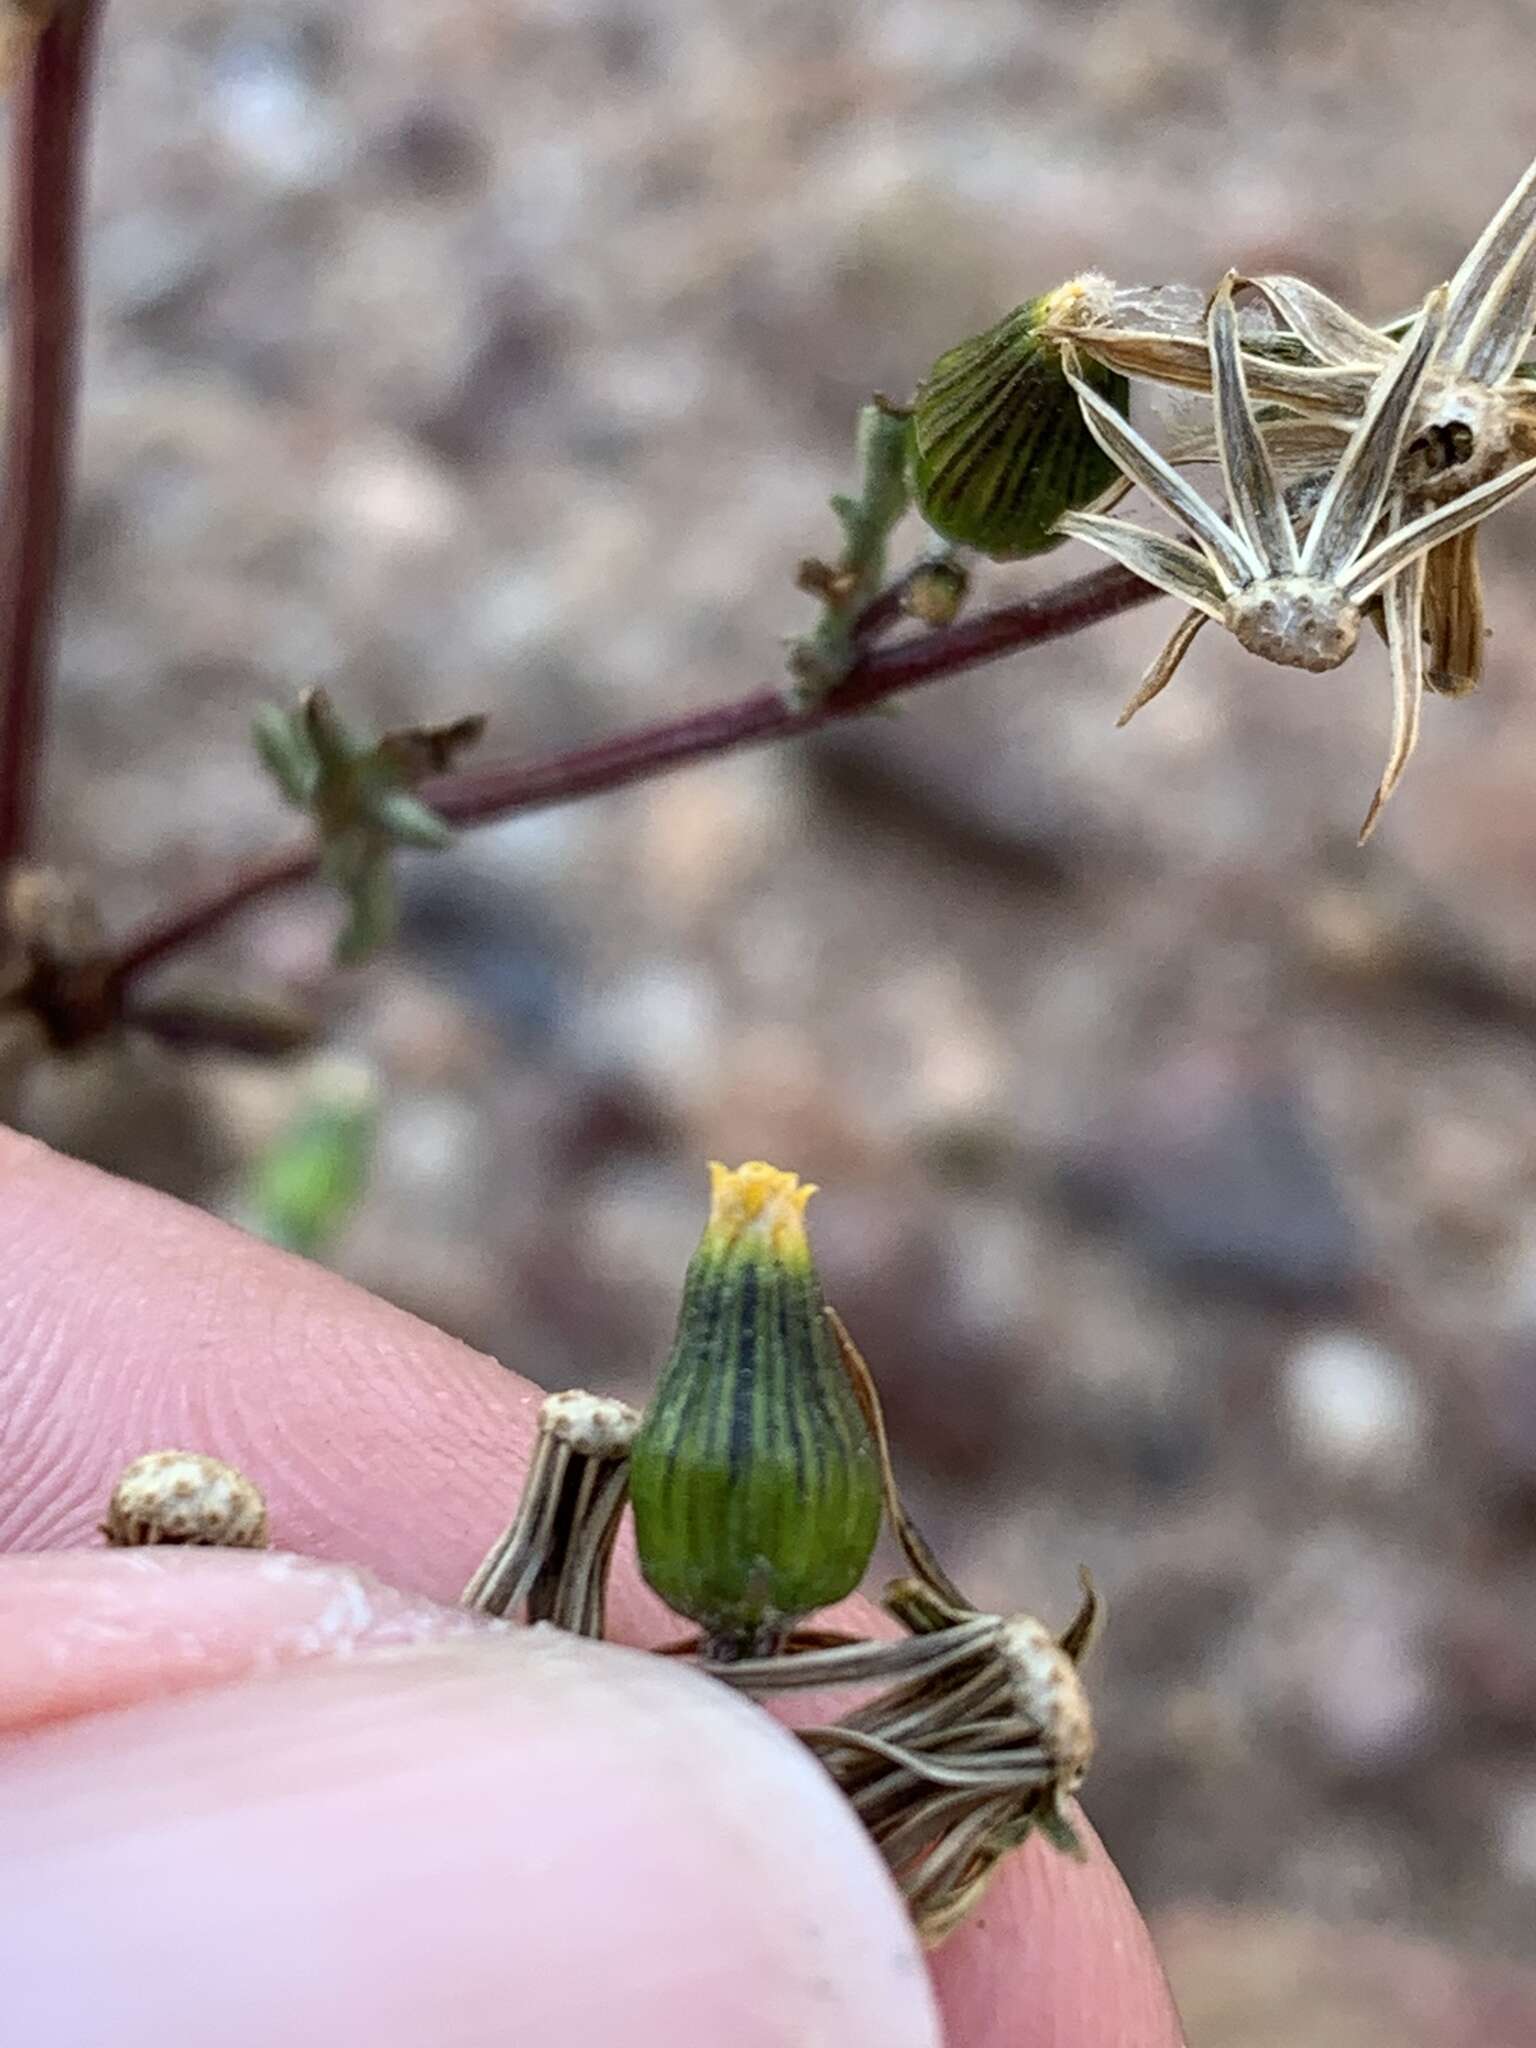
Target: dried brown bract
column 551, row 1563
column 185, row 1497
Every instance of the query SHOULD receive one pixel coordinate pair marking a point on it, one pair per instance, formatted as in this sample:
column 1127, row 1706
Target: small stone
column 1223, row 1179
column 1352, row 1406
column 1369, row 1694
column 433, row 151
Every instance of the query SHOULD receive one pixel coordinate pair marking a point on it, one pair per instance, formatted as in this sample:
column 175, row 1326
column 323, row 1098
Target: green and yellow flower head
column 754, row 1478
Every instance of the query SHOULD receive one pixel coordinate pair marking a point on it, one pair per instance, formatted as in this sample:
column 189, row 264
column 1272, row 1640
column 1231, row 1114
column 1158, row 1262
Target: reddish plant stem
column 476, row 796
column 48, row 144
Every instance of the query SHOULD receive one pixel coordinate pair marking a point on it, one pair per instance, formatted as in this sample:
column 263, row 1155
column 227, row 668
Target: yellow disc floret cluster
column 759, row 1199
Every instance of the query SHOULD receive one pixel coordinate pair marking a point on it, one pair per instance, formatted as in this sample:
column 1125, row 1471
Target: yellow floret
column 757, row 1197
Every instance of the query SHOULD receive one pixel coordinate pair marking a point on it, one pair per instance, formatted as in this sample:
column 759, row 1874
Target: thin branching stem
column 48, row 145
column 479, row 796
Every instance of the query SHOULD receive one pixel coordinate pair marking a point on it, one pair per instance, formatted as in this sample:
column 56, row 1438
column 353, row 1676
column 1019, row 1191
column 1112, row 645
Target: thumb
column 492, row 1837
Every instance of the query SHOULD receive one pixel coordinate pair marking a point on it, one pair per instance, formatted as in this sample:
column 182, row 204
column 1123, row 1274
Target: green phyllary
column 997, row 446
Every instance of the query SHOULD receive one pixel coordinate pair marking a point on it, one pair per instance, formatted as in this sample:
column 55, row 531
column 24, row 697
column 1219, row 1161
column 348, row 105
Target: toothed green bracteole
column 754, row 1477
column 997, row 448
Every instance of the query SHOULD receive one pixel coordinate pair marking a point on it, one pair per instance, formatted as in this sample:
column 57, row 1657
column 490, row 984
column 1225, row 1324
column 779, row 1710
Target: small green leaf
column 882, row 454
column 407, row 821
column 285, row 753
column 357, row 791
column 335, row 747
column 819, row 660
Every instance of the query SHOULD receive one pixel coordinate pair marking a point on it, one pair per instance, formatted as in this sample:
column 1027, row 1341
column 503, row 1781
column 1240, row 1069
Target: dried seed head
column 1296, row 621
column 1463, row 434
column 998, row 449
column 1049, row 1692
column 979, row 1731
column 755, row 1479
column 185, row 1497
column 596, row 1425
column 934, row 592
column 551, row 1561
column 1294, row 600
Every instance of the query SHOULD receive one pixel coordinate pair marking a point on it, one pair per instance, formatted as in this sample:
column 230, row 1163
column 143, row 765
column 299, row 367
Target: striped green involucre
column 754, row 1477
column 997, row 445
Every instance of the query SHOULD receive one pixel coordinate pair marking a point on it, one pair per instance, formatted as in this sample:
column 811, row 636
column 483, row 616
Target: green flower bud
column 754, row 1477
column 934, row 592
column 997, row 447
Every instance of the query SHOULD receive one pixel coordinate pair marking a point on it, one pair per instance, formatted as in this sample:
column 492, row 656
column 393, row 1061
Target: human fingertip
column 1055, row 1956
column 513, row 1837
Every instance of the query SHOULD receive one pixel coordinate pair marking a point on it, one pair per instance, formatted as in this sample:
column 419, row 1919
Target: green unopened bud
column 997, row 445
column 754, row 1477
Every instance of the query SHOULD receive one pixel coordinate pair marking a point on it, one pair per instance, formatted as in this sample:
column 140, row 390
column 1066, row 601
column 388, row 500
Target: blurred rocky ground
column 1179, row 1159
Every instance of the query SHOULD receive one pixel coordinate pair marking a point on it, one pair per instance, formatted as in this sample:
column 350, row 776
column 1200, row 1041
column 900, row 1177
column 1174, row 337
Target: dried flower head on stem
column 1475, row 416
column 1295, row 599
column 1474, row 419
column 551, row 1562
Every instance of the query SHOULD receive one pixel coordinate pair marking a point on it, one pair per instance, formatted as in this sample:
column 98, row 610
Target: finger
column 133, row 1322
column 84, row 1633
column 516, row 1837
column 1056, row 1956
column 89, row 1632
